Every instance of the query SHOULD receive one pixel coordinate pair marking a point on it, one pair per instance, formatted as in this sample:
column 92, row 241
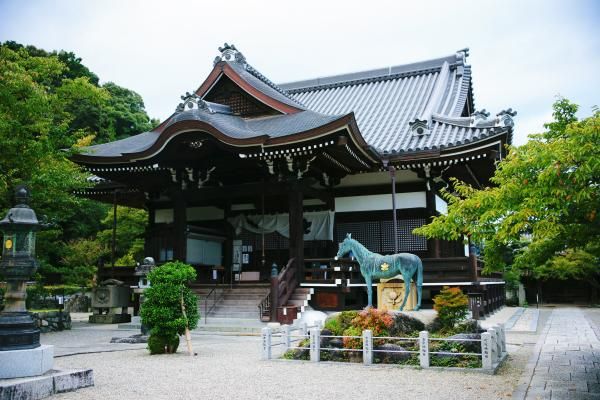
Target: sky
column 523, row 53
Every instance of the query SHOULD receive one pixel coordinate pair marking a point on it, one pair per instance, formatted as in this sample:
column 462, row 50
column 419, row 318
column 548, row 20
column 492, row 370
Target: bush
column 162, row 344
column 378, row 321
column 404, row 325
column 352, row 343
column 452, row 306
column 161, row 310
column 338, row 323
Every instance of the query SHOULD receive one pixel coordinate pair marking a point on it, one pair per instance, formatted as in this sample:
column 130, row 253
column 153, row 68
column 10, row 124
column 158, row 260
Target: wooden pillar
column 433, row 245
column 295, row 197
column 150, row 242
column 180, row 227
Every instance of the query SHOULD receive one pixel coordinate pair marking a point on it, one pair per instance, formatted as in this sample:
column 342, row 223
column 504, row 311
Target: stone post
column 424, row 349
column 315, row 345
column 285, row 337
column 501, row 339
column 267, row 336
column 304, row 328
column 367, row 339
column 486, row 351
column 494, row 347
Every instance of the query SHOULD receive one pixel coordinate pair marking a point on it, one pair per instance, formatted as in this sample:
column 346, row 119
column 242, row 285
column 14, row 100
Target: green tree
column 131, row 225
column 49, row 102
column 543, row 206
column 162, row 308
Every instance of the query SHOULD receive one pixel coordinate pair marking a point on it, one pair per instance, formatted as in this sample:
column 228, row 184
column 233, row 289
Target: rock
column 470, row 347
column 78, row 303
column 139, row 338
column 391, row 358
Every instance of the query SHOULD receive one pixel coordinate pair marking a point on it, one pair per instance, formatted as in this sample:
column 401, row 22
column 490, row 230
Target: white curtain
column 320, row 224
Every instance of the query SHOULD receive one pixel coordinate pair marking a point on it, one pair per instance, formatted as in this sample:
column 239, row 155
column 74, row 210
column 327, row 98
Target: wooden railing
column 282, row 287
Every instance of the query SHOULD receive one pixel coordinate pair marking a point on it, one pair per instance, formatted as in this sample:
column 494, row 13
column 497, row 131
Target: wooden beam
column 180, row 224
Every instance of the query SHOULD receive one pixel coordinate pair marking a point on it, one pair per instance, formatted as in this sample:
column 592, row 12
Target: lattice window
column 368, row 233
column 407, row 242
column 378, row 236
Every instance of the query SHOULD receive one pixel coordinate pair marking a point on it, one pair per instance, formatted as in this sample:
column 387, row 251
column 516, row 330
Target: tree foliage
column 540, row 218
column 161, row 310
column 50, row 105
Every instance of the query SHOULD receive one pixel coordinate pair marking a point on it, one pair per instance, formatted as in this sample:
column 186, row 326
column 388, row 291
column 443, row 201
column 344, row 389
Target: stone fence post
column 304, row 328
column 267, row 337
column 502, row 335
column 367, row 339
column 285, row 337
column 424, row 349
column 494, row 347
column 315, row 345
column 486, row 351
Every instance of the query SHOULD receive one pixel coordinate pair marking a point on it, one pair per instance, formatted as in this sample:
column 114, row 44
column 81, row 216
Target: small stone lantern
column 18, row 264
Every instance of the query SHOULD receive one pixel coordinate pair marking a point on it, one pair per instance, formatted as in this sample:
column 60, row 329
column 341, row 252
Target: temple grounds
column 230, row 366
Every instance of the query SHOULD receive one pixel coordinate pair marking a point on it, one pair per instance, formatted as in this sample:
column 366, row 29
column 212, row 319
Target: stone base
column 391, row 294
column 109, row 318
column 23, row 363
column 39, row 387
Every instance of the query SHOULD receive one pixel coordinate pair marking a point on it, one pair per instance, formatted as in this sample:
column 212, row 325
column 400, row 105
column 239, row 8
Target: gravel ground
column 229, row 367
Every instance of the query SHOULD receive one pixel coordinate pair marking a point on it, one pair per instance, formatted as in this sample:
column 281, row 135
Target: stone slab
column 39, row 387
column 24, row 363
column 109, row 318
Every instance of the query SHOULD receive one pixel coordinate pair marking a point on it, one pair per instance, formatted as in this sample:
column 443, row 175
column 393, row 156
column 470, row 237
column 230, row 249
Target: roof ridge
column 267, row 81
column 378, row 74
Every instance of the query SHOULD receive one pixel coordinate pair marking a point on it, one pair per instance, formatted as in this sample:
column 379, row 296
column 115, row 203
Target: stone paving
column 566, row 361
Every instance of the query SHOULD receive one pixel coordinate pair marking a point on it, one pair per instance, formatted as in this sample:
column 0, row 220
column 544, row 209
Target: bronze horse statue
column 376, row 266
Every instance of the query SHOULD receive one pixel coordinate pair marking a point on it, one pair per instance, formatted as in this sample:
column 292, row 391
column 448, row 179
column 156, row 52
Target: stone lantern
column 18, row 264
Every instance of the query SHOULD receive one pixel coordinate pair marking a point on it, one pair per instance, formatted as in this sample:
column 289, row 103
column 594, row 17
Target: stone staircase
column 300, row 299
column 235, row 308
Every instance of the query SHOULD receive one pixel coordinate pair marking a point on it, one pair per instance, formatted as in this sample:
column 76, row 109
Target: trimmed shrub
column 452, row 306
column 161, row 310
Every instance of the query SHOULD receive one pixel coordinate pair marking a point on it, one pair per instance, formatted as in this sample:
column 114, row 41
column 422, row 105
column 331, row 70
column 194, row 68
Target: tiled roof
column 387, row 101
column 233, row 126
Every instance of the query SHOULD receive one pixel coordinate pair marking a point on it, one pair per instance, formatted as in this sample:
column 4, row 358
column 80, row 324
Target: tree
column 540, row 218
column 162, row 307
column 131, row 225
column 50, row 105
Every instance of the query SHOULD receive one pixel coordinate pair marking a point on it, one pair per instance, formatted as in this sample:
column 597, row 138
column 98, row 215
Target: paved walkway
column 565, row 363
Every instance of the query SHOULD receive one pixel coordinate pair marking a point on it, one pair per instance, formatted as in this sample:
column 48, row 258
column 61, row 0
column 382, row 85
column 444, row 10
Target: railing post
column 315, row 345
column 267, row 337
column 304, row 328
column 494, row 346
column 424, row 349
column 486, row 351
column 367, row 339
column 501, row 338
column 285, row 337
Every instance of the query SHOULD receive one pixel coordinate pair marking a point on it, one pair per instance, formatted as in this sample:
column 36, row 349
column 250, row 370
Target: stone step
column 297, row 302
column 300, row 296
column 225, row 309
column 234, row 315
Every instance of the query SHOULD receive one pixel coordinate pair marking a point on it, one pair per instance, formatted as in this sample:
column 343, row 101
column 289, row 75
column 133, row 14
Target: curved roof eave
column 154, row 145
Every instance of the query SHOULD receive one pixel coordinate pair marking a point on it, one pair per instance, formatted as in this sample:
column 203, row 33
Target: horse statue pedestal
column 390, row 293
